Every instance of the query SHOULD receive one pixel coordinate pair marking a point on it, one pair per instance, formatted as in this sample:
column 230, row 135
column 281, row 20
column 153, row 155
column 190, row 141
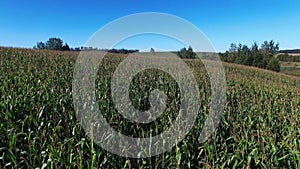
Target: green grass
column 38, row 126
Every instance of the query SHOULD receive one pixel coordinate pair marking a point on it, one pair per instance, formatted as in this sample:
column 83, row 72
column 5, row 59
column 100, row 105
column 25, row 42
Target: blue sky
column 23, row 23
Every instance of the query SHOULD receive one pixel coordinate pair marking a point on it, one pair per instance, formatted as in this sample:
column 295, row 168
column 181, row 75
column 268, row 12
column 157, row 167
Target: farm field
column 290, row 68
column 39, row 129
column 290, row 63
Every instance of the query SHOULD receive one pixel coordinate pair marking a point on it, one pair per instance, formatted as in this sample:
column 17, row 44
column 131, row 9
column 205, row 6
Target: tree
column 40, row 45
column 247, row 58
column 182, row 53
column 191, row 53
column 233, row 48
column 256, row 56
column 274, row 48
column 258, row 60
column 66, row 47
column 238, row 55
column 254, row 49
column 187, row 53
column 273, row 64
column 270, row 47
column 152, row 51
column 54, row 44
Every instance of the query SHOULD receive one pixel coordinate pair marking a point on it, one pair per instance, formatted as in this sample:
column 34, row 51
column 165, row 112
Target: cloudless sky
column 23, row 23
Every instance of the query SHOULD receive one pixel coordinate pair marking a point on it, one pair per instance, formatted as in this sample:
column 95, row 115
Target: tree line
column 187, row 53
column 121, row 51
column 53, row 44
column 262, row 57
column 288, row 58
column 290, row 51
column 57, row 44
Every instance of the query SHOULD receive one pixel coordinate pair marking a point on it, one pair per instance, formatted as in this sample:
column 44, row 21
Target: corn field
column 39, row 129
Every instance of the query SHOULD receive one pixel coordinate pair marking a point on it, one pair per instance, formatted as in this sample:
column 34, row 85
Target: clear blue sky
column 23, row 23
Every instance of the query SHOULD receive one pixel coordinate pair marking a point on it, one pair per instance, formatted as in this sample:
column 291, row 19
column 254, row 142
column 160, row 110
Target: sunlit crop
column 38, row 126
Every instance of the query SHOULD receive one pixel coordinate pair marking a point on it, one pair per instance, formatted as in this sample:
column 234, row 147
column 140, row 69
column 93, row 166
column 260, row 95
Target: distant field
column 39, row 129
column 291, row 54
column 290, row 63
column 291, row 68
